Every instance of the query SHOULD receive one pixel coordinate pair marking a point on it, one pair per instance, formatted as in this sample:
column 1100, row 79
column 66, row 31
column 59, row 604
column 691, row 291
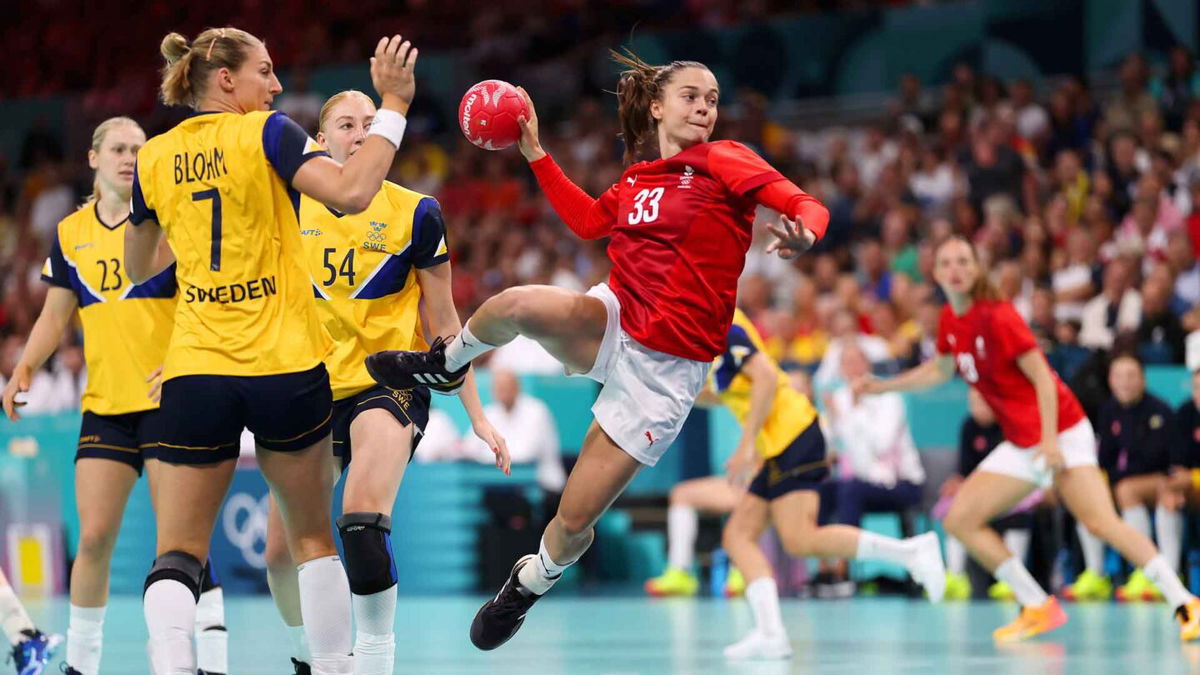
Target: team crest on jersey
column 1156, row 421
column 375, row 237
column 689, row 174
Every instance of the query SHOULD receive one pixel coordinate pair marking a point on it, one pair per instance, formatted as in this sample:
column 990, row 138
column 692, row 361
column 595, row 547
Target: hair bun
column 174, row 47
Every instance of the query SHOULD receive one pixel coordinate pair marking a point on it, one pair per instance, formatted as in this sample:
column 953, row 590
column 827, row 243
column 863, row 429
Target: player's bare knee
column 279, row 559
column 961, row 522
column 97, row 543
column 574, row 523
column 1099, row 526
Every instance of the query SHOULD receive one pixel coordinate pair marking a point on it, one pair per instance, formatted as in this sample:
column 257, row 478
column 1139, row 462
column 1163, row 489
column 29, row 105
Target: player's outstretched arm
column 350, row 187
column 933, row 372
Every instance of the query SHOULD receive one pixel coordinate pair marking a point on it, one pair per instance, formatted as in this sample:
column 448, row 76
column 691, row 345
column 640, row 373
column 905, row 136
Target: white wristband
column 389, row 124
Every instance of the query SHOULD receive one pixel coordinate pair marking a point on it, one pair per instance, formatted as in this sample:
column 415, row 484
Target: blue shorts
column 801, row 466
column 130, row 438
column 408, row 406
column 203, row 415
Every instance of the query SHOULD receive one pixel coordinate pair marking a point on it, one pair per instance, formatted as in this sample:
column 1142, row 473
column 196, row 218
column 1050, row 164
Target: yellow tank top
column 791, row 413
column 126, row 327
column 364, row 270
column 218, row 184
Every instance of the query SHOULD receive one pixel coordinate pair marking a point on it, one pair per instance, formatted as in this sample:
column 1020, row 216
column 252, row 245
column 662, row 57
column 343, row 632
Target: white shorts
column 1078, row 446
column 647, row 394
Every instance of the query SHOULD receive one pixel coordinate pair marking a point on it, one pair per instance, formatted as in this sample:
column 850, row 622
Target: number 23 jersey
column 364, row 271
column 985, row 343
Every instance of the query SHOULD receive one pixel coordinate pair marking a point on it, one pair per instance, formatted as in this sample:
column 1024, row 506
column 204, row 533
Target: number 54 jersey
column 126, row 327
column 364, row 271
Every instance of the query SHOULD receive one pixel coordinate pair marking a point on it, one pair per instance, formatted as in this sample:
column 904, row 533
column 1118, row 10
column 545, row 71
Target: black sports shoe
column 501, row 617
column 405, row 370
column 302, row 668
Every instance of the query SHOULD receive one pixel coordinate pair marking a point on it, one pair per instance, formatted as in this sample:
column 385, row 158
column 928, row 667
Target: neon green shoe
column 1001, row 592
column 672, row 582
column 735, row 583
column 958, row 587
column 1089, row 587
column 1139, row 588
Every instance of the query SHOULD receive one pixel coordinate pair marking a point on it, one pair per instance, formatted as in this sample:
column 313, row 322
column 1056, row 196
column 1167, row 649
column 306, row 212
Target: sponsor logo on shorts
column 650, row 438
column 89, row 439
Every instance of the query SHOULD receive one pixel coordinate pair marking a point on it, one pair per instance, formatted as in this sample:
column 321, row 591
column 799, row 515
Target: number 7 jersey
column 364, row 269
column 219, row 185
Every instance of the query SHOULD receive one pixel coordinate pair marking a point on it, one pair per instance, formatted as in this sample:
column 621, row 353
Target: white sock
column 85, row 639
column 763, row 596
column 682, row 524
column 1168, row 532
column 879, row 547
column 299, row 642
column 540, row 575
column 1093, row 549
column 325, row 607
column 1016, row 540
column 1027, row 590
column 212, row 641
column 1164, row 576
column 956, row 556
column 13, row 618
column 1138, row 517
column 170, row 610
column 374, row 639
column 465, row 348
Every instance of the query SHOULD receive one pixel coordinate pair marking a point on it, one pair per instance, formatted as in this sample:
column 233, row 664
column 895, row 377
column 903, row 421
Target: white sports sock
column 1016, row 540
column 13, row 618
column 879, row 547
column 299, row 641
column 956, row 556
column 763, row 596
column 85, row 639
column 1164, row 576
column 1022, row 583
column 374, row 639
column 541, row 574
column 1093, row 549
column 212, row 641
column 325, row 607
column 1138, row 517
column 682, row 525
column 1168, row 532
column 465, row 348
column 170, row 610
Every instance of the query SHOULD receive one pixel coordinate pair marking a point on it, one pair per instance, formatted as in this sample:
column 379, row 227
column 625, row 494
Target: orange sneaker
column 1035, row 621
column 1188, row 617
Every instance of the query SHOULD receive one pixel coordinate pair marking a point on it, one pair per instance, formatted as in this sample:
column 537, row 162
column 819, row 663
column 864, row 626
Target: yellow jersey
column 364, row 268
column 791, row 413
column 219, row 185
column 126, row 327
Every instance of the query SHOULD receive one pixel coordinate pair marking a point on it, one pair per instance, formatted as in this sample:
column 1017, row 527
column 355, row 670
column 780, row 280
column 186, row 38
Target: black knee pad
column 209, row 580
column 177, row 565
column 367, row 551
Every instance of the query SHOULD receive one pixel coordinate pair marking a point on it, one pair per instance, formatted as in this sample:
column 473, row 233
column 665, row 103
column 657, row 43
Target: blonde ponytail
column 188, row 65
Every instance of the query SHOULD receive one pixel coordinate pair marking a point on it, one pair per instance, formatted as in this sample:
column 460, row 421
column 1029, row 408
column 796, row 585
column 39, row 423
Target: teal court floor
column 585, row 635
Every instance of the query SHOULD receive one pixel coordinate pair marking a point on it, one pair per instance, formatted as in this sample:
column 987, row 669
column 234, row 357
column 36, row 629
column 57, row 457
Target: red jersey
column 985, row 343
column 680, row 229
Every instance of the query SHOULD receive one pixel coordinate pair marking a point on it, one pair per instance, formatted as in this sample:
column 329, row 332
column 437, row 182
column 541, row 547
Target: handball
column 488, row 114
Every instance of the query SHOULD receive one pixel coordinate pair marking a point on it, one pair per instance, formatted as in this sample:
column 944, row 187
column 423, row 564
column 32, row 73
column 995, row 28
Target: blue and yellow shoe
column 32, row 655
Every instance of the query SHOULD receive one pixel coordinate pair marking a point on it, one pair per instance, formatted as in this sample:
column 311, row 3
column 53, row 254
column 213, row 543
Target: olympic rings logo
column 244, row 521
column 376, row 236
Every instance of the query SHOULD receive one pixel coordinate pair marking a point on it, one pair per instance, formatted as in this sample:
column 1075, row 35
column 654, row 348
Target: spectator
column 1117, row 308
column 1176, row 91
column 846, row 332
column 1138, row 445
column 1160, row 334
column 1182, row 259
column 1122, row 173
column 1072, row 282
column 527, row 427
column 1125, row 108
column 992, row 168
column 1033, row 122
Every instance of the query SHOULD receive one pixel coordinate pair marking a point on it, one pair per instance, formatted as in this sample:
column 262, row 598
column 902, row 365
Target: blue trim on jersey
column 161, row 285
column 284, row 143
column 389, row 278
column 428, row 231
column 138, row 211
column 731, row 365
column 86, row 295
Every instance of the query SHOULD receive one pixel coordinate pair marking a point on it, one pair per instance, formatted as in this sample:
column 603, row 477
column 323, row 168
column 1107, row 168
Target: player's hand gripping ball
column 488, row 114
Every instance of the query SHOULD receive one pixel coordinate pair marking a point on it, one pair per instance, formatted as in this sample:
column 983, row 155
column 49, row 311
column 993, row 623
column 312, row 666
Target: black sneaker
column 501, row 617
column 405, row 370
column 302, row 668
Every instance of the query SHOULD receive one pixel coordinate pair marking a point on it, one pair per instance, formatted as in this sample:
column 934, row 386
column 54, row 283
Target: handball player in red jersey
column 680, row 222
column 1048, row 440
